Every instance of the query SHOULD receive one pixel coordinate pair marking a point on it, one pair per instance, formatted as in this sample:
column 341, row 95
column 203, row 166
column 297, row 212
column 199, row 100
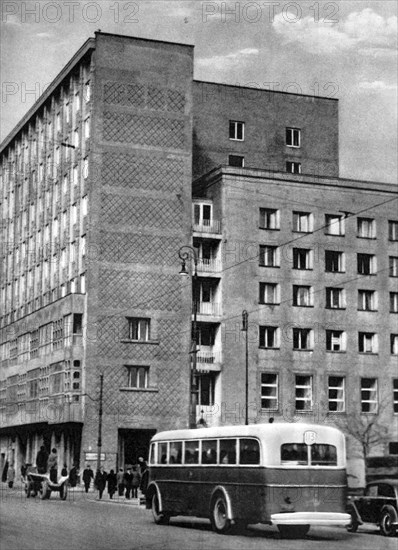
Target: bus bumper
column 310, row 518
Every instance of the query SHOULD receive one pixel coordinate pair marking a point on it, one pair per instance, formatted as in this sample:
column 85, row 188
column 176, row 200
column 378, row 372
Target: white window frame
column 340, row 261
column 309, row 256
column 268, row 252
column 305, row 336
column 269, row 219
column 336, row 340
column 393, row 265
column 367, row 298
column 334, row 225
column 303, row 222
column 303, row 296
column 140, row 370
column 367, row 342
column 336, row 384
column 270, row 387
column 270, row 335
column 234, row 125
column 392, row 230
column 305, row 383
column 293, row 167
column 269, row 293
column 139, row 327
column 290, row 137
column 372, row 263
column 393, row 302
column 395, row 395
column 372, row 401
column 394, row 344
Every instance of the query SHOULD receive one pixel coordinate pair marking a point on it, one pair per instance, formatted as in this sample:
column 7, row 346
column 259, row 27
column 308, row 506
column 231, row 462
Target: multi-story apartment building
column 97, row 200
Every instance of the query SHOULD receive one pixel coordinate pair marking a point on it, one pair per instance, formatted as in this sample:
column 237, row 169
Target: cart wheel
column 45, row 490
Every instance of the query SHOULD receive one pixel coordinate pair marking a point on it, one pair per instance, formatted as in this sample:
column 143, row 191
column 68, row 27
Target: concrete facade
column 97, row 199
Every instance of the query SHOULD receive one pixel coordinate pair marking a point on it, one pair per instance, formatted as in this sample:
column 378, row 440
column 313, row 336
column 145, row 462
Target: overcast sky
column 342, row 48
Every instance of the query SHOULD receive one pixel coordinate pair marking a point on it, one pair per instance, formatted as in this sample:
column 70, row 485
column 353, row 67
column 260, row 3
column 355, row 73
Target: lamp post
column 99, row 442
column 185, row 253
column 245, row 323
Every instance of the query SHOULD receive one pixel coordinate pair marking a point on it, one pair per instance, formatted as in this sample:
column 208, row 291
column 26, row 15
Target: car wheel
column 387, row 520
column 293, row 531
column 159, row 517
column 219, row 520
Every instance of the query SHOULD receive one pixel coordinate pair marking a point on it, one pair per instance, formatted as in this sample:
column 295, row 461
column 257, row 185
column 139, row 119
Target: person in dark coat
column 128, row 482
column 88, row 475
column 100, row 481
column 41, row 460
column 120, row 482
column 73, row 476
column 144, row 472
column 112, row 483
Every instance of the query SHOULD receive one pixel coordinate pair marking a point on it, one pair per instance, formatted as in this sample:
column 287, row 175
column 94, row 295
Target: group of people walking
column 126, row 483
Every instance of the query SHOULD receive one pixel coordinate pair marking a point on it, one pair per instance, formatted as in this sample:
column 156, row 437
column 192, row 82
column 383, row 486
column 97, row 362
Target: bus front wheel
column 293, row 531
column 219, row 520
column 159, row 517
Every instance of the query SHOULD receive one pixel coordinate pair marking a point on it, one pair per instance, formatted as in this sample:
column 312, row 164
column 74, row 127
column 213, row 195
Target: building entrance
column 133, row 444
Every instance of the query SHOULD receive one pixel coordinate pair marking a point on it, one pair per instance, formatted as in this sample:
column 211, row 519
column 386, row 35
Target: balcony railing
column 208, row 265
column 208, row 308
column 208, row 226
column 208, row 357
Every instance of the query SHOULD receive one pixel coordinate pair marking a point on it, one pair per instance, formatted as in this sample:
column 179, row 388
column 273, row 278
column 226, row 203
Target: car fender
column 389, row 507
column 221, row 489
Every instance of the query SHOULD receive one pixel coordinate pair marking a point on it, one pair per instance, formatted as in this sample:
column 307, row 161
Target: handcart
column 41, row 484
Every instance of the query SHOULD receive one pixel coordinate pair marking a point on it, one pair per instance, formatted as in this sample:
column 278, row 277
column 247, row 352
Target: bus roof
column 252, row 430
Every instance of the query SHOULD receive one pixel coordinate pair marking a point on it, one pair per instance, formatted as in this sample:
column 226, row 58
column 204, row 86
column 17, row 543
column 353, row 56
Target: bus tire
column 387, row 519
column 293, row 531
column 219, row 520
column 158, row 517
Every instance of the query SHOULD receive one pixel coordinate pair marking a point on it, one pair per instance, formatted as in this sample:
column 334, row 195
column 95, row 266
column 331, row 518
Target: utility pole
column 245, row 323
column 99, row 443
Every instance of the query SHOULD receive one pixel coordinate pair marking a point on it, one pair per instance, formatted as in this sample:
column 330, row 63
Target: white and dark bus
column 289, row 475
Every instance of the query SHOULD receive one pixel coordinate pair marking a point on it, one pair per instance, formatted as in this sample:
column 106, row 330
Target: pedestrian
column 120, row 482
column 142, row 465
column 100, row 480
column 112, row 483
column 88, row 475
column 143, row 469
column 128, row 481
column 4, row 473
column 52, row 465
column 11, row 476
column 73, row 476
column 135, row 481
column 41, row 460
column 64, row 471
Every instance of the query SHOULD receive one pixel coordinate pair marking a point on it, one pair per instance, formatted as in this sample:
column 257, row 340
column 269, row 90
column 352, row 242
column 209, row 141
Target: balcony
column 208, row 359
column 207, row 226
column 208, row 265
column 209, row 308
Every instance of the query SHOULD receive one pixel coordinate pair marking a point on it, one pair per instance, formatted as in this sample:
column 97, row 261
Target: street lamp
column 245, row 327
column 99, row 439
column 185, row 253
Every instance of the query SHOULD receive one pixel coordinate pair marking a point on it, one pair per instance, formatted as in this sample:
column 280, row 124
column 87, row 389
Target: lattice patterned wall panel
column 142, row 172
column 143, row 96
column 140, row 249
column 139, row 290
column 155, row 213
column 143, row 130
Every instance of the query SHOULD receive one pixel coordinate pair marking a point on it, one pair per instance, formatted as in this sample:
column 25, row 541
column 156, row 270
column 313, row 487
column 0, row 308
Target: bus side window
column 162, row 453
column 209, row 451
column 249, row 451
column 175, row 452
column 191, row 452
column 227, row 451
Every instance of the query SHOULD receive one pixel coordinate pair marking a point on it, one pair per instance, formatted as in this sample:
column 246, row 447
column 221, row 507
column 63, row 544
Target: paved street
column 82, row 522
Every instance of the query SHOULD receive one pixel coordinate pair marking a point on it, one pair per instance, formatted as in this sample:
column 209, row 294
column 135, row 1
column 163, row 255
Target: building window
column 293, row 167
column 394, row 302
column 336, row 394
column 269, row 337
column 302, row 296
column 303, row 393
column 334, row 224
column 335, row 340
column 137, row 377
column 269, row 293
column 293, row 137
column 393, row 448
column 366, row 228
column 369, row 395
column 393, row 263
column 395, row 395
column 367, row 342
column 366, row 264
column 139, row 328
column 87, row 128
column 268, row 256
column 334, row 261
column 302, row 339
column 269, row 391
column 302, row 258
column 367, row 300
column 335, row 298
column 203, row 214
column 236, row 161
column 236, row 130
column 269, row 218
column 393, row 230
column 302, row 222
column 394, row 344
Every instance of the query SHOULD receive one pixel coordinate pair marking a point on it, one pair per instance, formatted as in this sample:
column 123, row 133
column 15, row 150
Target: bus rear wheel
column 159, row 517
column 293, row 531
column 219, row 520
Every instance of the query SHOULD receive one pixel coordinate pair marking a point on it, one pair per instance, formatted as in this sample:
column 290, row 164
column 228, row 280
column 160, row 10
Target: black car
column 378, row 505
